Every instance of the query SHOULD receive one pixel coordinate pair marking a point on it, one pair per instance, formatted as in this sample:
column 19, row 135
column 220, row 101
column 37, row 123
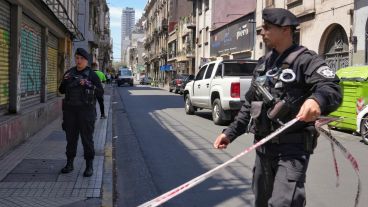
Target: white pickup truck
column 219, row 86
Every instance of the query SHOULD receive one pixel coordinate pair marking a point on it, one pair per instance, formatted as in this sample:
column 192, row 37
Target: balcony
column 164, row 24
column 191, row 24
column 163, row 54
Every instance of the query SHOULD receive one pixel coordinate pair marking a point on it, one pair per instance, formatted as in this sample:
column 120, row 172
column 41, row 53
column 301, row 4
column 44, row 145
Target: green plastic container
column 354, row 84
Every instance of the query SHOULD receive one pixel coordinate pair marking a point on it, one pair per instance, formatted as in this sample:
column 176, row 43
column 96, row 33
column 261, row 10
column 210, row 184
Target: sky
column 116, row 8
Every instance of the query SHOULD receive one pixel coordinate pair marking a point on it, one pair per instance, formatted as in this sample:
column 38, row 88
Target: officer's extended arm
column 325, row 90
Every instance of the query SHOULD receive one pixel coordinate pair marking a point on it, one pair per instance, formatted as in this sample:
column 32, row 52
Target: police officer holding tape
column 290, row 81
column 80, row 86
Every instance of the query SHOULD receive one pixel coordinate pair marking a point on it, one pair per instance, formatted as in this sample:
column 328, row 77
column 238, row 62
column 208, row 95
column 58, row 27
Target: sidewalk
column 30, row 174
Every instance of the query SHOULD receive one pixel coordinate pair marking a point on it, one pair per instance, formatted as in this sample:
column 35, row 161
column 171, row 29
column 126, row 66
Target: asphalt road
column 158, row 147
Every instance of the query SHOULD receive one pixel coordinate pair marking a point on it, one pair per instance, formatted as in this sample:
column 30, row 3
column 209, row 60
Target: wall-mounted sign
column 234, row 37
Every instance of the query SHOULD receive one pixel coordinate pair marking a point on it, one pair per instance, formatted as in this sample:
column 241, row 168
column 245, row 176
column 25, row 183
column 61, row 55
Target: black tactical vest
column 286, row 97
column 75, row 93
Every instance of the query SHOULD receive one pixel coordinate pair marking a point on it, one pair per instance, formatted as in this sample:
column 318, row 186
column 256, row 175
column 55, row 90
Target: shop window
column 270, row 3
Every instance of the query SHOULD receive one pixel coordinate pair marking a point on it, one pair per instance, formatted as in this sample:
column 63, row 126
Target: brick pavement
column 30, row 174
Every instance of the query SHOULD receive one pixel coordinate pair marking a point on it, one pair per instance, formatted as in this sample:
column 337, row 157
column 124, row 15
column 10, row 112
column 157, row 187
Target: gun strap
column 292, row 56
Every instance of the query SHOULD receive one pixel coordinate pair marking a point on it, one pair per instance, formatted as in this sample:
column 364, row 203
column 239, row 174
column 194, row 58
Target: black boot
column 68, row 167
column 89, row 168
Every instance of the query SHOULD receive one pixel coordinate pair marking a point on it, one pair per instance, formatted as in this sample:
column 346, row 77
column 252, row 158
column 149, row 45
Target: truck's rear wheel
column 364, row 129
column 189, row 108
column 218, row 114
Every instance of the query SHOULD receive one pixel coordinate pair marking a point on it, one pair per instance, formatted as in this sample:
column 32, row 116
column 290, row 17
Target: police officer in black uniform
column 290, row 81
column 80, row 86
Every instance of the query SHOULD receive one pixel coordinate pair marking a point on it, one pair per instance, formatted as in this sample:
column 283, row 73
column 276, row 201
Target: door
column 197, row 84
column 337, row 49
column 204, row 91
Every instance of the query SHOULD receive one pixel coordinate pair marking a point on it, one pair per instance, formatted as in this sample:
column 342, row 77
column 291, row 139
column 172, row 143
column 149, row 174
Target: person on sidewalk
column 288, row 82
column 80, row 86
column 100, row 99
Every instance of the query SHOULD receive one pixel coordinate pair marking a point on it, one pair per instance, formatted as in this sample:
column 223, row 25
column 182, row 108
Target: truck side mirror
column 191, row 77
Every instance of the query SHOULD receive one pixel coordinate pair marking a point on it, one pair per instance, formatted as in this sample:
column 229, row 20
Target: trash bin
column 354, row 84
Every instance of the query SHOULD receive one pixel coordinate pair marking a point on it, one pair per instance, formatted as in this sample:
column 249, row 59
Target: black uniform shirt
column 313, row 77
column 95, row 81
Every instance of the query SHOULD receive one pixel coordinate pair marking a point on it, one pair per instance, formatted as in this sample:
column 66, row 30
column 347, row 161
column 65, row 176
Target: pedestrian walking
column 108, row 77
column 80, row 86
column 289, row 81
column 100, row 99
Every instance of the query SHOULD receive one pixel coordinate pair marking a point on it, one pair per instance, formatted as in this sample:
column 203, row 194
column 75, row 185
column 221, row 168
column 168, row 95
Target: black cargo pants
column 79, row 121
column 279, row 180
column 100, row 100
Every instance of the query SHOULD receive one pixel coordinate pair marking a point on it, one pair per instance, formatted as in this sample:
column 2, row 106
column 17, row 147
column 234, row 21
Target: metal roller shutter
column 30, row 83
column 4, row 55
column 52, row 54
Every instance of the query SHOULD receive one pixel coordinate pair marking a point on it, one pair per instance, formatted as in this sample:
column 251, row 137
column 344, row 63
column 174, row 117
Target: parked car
column 185, row 81
column 176, row 83
column 125, row 75
column 146, row 81
column 219, row 86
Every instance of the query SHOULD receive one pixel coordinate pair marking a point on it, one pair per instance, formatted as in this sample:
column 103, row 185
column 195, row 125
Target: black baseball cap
column 279, row 17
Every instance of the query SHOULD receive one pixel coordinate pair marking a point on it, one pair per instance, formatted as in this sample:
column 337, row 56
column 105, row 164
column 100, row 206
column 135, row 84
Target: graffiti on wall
column 4, row 67
column 30, row 61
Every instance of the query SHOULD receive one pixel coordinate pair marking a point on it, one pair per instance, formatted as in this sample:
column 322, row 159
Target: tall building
column 127, row 25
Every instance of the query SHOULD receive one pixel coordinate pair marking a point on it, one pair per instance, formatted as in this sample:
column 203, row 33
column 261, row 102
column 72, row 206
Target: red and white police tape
column 186, row 186
column 325, row 120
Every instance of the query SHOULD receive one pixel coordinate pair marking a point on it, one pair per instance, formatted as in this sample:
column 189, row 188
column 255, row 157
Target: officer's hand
column 221, row 142
column 309, row 111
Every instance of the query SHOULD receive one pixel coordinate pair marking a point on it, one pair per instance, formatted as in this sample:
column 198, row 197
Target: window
column 206, row 36
column 206, row 5
column 200, row 74
column 209, row 71
column 219, row 70
column 270, row 3
column 125, row 72
column 239, row 69
column 199, row 6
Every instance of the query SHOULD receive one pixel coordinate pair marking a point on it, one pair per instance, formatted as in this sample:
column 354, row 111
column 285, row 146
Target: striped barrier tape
column 186, row 186
column 325, row 120
column 321, row 121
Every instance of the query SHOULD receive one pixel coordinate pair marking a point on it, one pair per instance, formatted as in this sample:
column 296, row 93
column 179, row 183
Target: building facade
column 325, row 27
column 181, row 38
column 127, row 25
column 360, row 30
column 156, row 26
column 36, row 48
column 94, row 24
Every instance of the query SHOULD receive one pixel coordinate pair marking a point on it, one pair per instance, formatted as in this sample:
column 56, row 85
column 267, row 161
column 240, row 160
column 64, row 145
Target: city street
column 158, row 147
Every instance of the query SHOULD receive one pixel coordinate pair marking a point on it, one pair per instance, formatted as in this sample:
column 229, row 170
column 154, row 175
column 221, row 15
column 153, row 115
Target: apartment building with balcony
column 181, row 51
column 93, row 22
column 156, row 26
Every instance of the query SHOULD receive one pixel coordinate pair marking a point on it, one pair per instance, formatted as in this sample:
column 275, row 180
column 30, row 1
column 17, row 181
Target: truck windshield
column 125, row 73
column 239, row 69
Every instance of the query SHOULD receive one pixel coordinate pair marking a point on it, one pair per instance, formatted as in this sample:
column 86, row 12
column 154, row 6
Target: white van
column 125, row 76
